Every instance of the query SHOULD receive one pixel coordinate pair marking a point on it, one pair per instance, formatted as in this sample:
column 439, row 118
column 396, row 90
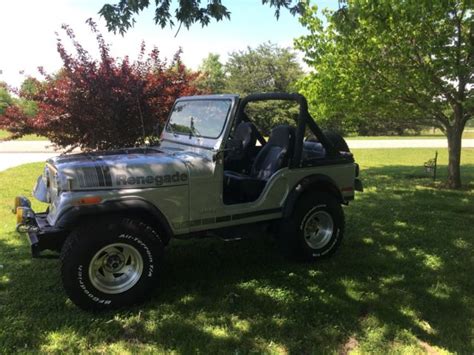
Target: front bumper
column 41, row 235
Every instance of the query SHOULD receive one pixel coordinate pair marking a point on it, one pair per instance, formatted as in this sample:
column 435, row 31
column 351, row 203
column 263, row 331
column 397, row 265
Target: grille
column 95, row 176
column 88, row 177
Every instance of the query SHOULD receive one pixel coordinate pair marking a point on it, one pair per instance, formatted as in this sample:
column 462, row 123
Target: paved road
column 15, row 153
column 404, row 143
column 9, row 160
column 27, row 147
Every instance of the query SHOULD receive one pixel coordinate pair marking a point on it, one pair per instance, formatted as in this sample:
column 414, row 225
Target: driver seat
column 240, row 160
column 245, row 132
column 272, row 157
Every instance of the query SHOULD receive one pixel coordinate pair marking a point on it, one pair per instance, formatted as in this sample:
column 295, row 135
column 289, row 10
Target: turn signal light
column 20, row 214
column 20, row 201
column 92, row 200
column 16, row 204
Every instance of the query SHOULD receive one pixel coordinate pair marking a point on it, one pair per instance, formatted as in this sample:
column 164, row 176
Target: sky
column 28, row 40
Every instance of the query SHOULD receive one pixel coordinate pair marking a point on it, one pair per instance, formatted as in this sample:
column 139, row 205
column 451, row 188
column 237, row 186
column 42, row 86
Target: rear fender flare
column 317, row 182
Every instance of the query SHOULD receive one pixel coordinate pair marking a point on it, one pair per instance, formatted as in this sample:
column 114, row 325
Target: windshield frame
column 172, row 131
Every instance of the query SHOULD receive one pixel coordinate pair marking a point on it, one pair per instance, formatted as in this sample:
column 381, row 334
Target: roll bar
column 304, row 118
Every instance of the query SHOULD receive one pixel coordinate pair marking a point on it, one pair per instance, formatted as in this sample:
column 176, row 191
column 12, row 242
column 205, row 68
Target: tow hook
column 27, row 228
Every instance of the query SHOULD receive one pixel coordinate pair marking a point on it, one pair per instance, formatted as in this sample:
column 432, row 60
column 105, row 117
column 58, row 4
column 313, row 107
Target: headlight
column 57, row 182
column 62, row 182
column 46, row 176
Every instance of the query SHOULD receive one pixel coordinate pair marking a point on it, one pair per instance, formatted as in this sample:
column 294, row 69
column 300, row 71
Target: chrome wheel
column 318, row 229
column 116, row 268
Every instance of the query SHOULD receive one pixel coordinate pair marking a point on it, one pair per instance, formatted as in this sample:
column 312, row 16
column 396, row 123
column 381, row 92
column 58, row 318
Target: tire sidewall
column 76, row 269
column 335, row 239
column 292, row 240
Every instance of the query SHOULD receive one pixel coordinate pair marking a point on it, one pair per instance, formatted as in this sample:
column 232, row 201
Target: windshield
column 199, row 118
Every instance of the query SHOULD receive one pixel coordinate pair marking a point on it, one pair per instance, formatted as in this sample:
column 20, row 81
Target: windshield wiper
column 193, row 130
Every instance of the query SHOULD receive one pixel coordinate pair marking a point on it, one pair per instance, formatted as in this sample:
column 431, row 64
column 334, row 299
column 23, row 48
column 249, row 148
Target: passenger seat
column 273, row 156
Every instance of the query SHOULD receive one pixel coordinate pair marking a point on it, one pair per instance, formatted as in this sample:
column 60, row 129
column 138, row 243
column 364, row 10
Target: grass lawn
column 402, row 281
column 28, row 137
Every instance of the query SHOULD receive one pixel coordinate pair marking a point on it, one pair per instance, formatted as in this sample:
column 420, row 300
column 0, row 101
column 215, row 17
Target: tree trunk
column 454, row 135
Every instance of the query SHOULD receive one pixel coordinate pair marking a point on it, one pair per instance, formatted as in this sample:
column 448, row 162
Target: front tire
column 315, row 228
column 111, row 265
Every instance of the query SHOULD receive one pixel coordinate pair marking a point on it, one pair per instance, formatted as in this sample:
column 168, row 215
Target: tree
column 120, row 16
column 407, row 60
column 340, row 99
column 267, row 68
column 212, row 76
column 6, row 99
column 16, row 111
column 30, row 87
column 102, row 104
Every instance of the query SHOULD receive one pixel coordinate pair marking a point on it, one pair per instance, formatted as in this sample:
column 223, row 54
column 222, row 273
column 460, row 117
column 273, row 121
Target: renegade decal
column 157, row 180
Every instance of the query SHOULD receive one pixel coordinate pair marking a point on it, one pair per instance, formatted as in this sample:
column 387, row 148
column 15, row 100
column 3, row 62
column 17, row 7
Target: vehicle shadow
column 402, row 274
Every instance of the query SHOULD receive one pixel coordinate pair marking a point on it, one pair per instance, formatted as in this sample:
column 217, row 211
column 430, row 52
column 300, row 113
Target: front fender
column 70, row 217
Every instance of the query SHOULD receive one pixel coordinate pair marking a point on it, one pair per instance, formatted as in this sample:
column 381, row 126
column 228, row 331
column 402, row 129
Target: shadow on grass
column 401, row 278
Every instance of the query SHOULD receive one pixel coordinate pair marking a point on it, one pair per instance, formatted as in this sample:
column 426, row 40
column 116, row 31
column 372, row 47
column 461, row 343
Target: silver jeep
column 111, row 213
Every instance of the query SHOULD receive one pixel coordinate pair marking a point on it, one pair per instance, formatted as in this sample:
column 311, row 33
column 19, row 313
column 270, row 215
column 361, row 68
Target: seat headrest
column 245, row 131
column 282, row 136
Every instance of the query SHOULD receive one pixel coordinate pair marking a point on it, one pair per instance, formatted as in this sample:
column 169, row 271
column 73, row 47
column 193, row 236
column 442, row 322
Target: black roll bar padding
column 303, row 118
column 296, row 160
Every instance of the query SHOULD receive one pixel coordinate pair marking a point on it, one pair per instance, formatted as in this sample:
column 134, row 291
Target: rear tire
column 315, row 228
column 111, row 265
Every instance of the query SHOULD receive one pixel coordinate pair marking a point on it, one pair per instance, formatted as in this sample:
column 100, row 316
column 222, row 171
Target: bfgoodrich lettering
column 151, row 179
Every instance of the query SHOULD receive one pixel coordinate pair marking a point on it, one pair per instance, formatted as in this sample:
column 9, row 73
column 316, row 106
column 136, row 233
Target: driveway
column 27, row 147
column 14, row 153
column 9, row 160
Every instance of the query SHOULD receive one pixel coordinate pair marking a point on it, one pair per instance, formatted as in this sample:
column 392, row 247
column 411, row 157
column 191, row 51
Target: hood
column 124, row 168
